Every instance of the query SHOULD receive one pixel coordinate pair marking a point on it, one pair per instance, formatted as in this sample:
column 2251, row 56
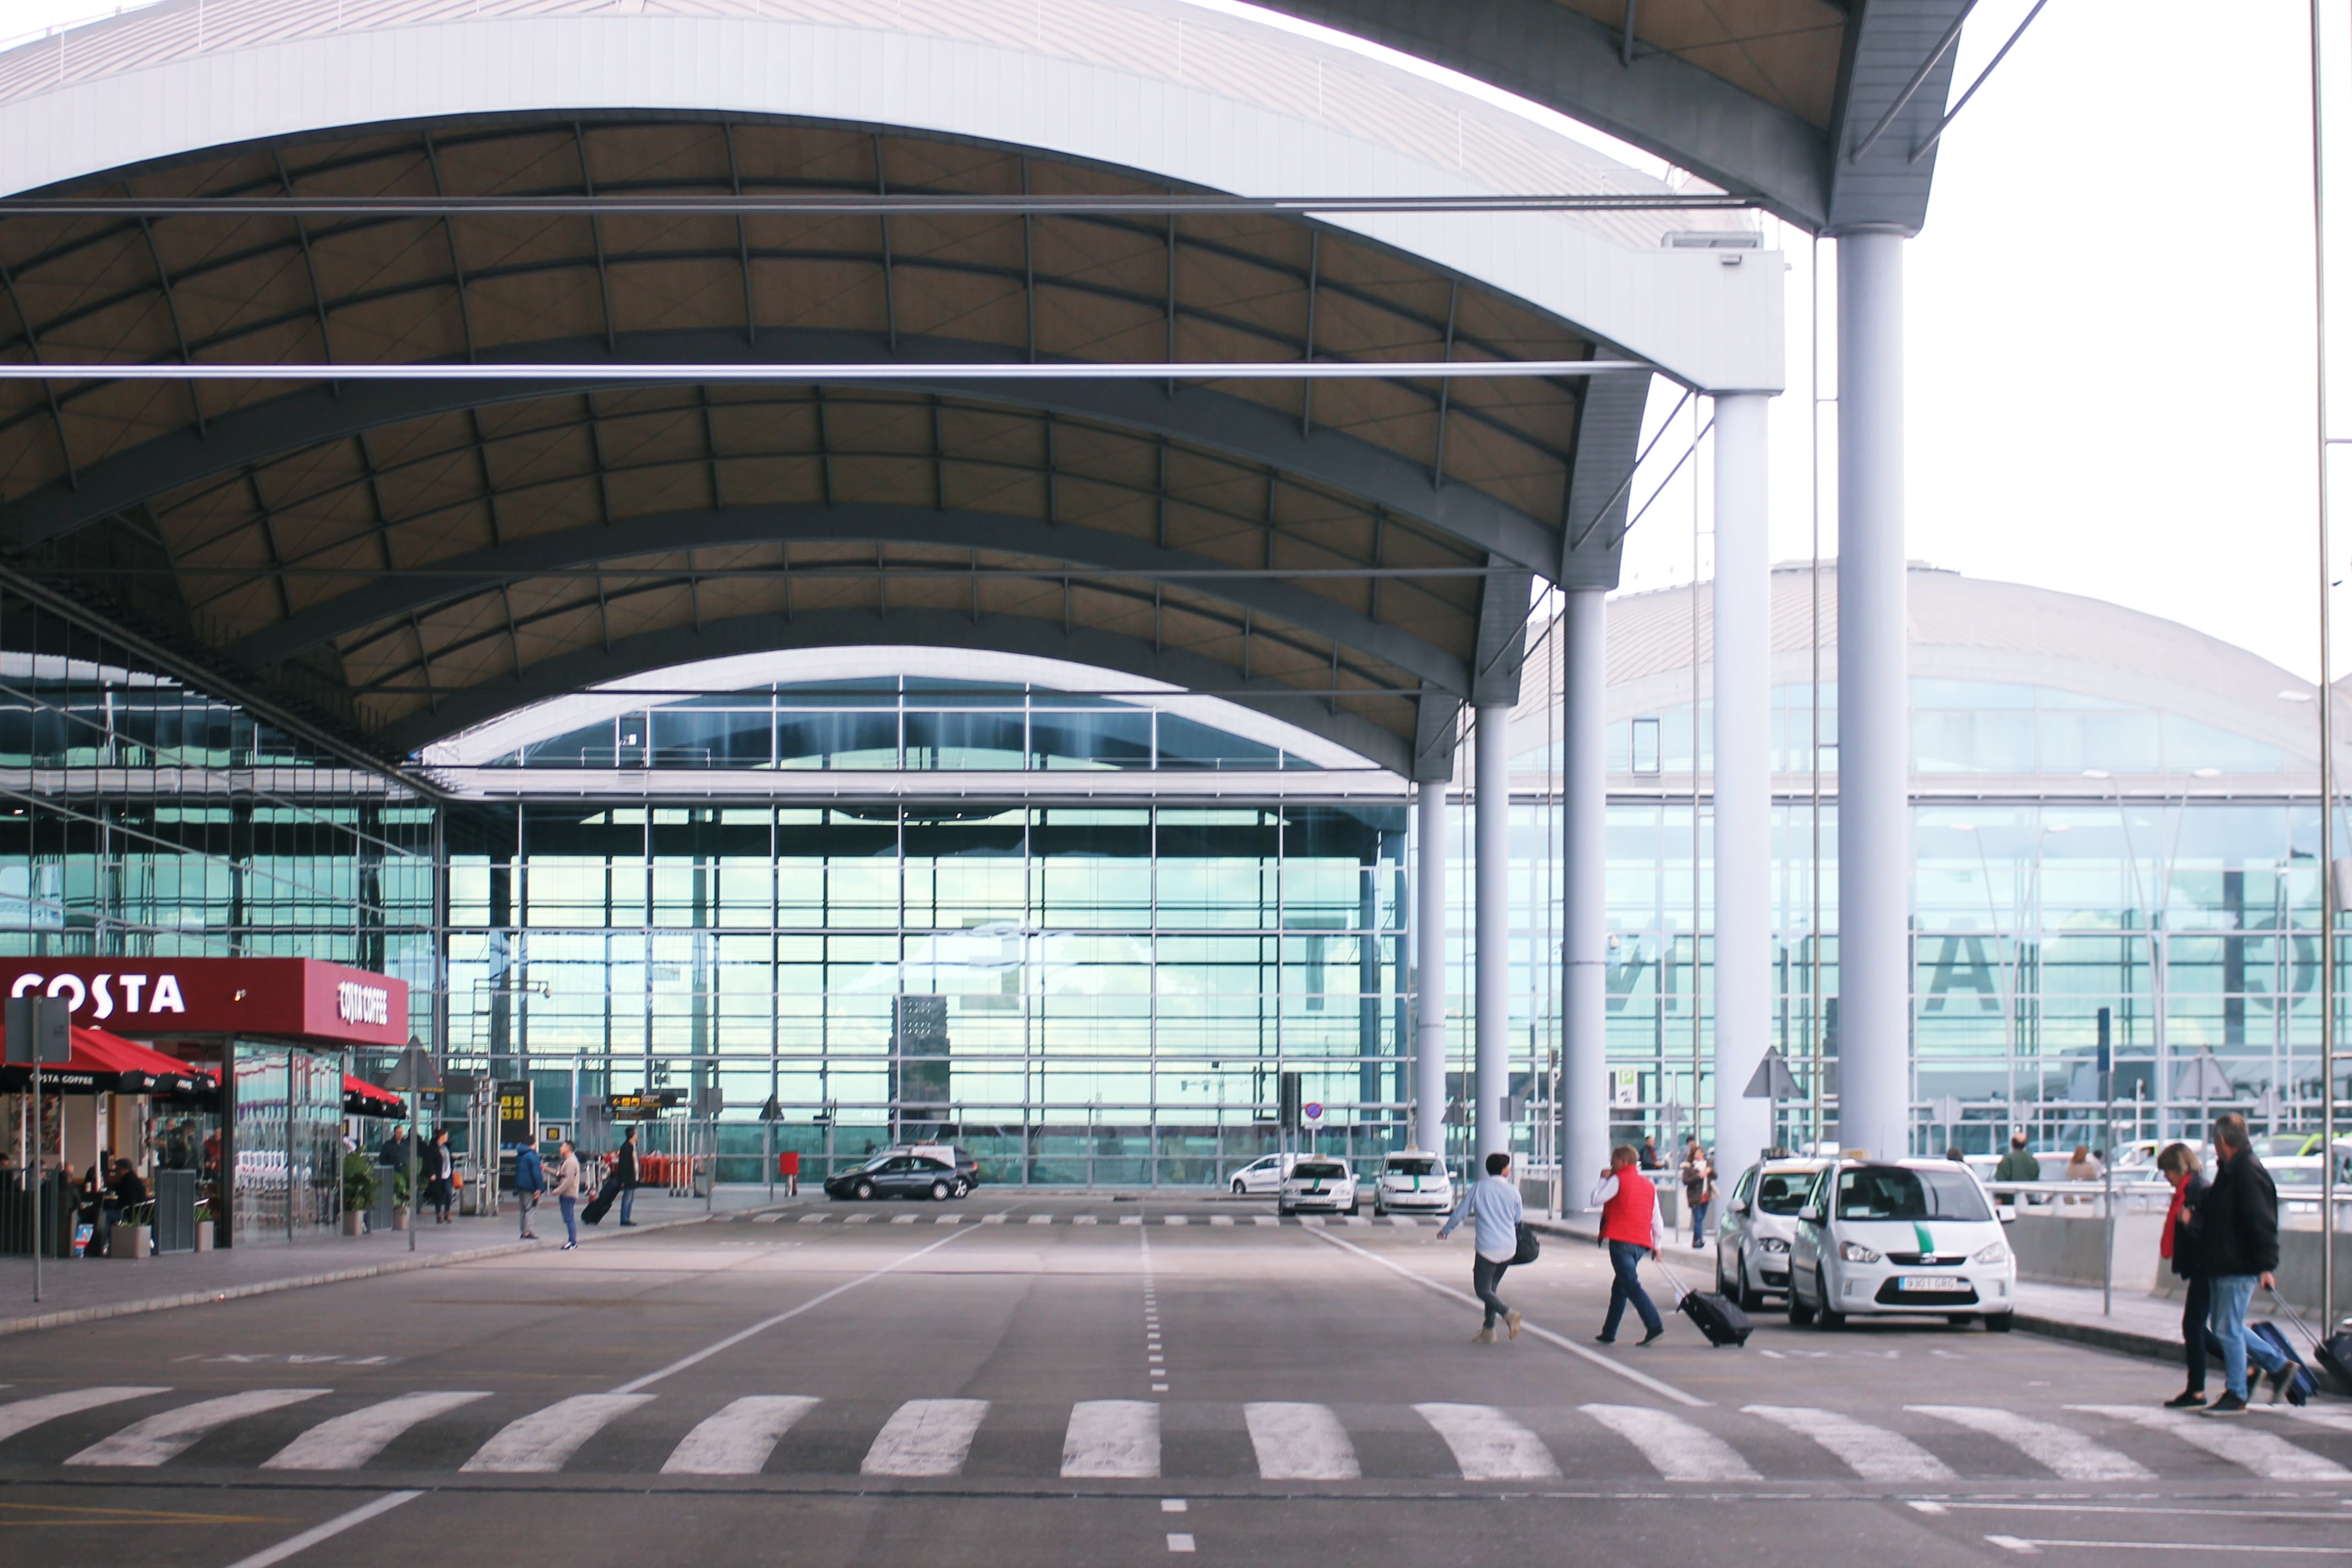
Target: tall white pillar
column 1429, row 965
column 1584, row 960
column 1743, row 777
column 1491, row 938
column 1873, row 822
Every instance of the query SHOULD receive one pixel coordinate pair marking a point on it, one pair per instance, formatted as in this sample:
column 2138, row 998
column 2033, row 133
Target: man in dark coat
column 2236, row 1226
column 625, row 1165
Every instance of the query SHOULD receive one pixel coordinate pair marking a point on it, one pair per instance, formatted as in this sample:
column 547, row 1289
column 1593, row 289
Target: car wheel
column 963, row 1189
column 863, row 1191
column 939, row 1192
column 1828, row 1318
column 1750, row 1300
column 1800, row 1314
column 1380, row 1209
column 1999, row 1323
column 1282, row 1208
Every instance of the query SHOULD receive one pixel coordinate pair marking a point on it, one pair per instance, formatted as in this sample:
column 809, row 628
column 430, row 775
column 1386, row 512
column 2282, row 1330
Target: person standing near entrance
column 2237, row 1227
column 1492, row 1204
column 1698, row 1191
column 440, row 1171
column 1630, row 1226
column 625, row 1165
column 531, row 1180
column 567, row 1192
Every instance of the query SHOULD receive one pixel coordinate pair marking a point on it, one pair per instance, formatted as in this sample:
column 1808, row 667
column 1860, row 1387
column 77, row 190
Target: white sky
column 2110, row 325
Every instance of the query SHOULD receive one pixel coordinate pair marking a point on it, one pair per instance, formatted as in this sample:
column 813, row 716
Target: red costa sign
column 280, row 998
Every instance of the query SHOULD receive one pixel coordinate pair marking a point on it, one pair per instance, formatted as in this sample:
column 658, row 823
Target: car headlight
column 1774, row 1244
column 1855, row 1252
column 1994, row 1252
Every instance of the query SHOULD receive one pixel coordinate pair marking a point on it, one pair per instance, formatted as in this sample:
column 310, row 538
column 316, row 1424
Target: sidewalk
column 80, row 1291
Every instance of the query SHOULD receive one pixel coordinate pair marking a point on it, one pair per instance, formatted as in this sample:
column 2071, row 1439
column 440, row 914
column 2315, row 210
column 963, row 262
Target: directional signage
column 1773, row 1080
column 646, row 1106
column 40, row 1030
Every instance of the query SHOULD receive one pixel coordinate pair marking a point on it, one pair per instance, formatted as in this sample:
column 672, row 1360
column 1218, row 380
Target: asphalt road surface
column 1073, row 1381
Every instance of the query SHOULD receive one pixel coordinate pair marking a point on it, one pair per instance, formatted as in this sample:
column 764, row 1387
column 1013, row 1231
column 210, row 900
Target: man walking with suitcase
column 2237, row 1226
column 1630, row 1226
column 1492, row 1204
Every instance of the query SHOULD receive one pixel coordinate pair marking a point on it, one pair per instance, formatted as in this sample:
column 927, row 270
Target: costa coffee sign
column 297, row 999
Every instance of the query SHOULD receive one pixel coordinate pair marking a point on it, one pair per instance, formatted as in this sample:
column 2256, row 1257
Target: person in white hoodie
column 1494, row 1204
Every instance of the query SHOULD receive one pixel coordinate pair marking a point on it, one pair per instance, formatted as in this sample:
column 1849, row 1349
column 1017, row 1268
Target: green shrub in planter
column 359, row 1182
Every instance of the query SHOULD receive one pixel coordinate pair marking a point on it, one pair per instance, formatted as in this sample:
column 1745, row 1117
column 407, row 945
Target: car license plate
column 1923, row 1282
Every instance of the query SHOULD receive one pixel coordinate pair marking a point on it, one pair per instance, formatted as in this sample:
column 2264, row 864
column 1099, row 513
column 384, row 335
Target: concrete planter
column 400, row 1219
column 352, row 1222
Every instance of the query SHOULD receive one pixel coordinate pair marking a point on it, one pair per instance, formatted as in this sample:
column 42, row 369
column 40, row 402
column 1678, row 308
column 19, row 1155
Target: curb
column 405, row 1265
column 2104, row 1338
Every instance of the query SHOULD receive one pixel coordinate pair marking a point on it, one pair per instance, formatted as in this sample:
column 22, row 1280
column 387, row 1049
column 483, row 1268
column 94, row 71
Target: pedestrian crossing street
column 880, row 1215
column 1113, row 1439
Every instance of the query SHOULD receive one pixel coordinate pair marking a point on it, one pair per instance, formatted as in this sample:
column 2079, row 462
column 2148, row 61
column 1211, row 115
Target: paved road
column 1075, row 1381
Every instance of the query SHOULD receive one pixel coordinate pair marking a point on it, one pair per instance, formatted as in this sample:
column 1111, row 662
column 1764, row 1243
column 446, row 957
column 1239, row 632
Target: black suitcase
column 602, row 1204
column 1718, row 1317
column 2335, row 1357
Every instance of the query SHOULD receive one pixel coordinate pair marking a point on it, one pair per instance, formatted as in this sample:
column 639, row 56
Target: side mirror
column 1740, row 1207
column 2005, row 1213
column 1810, row 1215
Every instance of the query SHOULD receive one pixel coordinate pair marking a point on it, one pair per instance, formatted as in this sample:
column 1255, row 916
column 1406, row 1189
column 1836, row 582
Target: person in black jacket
column 2236, row 1226
column 2181, row 1245
column 625, row 1165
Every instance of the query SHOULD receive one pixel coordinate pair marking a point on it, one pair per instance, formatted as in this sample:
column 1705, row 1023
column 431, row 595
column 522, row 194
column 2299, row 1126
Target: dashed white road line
column 347, row 1442
column 159, row 1437
column 1488, row 1446
column 925, row 1437
column 1677, row 1449
column 738, row 1439
column 1300, row 1443
column 1112, row 1440
column 540, row 1443
column 1871, row 1452
column 2063, row 1450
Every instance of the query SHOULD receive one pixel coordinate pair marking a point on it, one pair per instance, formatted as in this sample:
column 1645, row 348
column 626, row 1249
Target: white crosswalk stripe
column 1175, row 1219
column 1871, row 1452
column 543, row 1440
column 2332, row 1420
column 1300, row 1443
column 1267, row 1219
column 2063, row 1450
column 1084, row 1220
column 164, row 1436
column 348, row 1441
column 1490, row 1445
column 2271, row 1457
column 1040, row 1219
column 925, row 1437
column 1677, row 1449
column 738, row 1440
column 1112, row 1440
column 23, row 1415
column 948, row 1219
column 904, row 1219
column 1221, row 1219
column 812, row 1219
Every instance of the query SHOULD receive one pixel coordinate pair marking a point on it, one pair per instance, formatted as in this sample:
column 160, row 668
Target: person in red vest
column 1630, row 1226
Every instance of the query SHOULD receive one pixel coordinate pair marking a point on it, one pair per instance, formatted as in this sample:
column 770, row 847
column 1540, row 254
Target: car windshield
column 1412, row 1167
column 1783, row 1192
column 1312, row 1172
column 1893, row 1191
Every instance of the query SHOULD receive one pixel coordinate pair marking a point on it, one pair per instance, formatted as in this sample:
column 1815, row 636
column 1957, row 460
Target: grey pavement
column 998, row 1391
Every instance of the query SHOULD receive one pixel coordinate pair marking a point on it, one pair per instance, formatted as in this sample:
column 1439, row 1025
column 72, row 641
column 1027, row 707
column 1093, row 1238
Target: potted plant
column 204, row 1224
column 399, row 1198
column 358, row 1190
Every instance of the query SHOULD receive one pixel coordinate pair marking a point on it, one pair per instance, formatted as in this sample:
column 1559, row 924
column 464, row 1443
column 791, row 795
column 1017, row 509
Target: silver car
column 1758, row 1227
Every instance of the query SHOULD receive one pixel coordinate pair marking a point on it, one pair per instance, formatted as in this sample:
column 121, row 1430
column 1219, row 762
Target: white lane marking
column 857, row 1219
column 1112, row 1440
column 23, row 1415
column 2011, row 1543
column 2063, row 1449
column 1488, row 1446
column 1040, row 1219
column 948, row 1219
column 1269, row 1221
column 764, row 1324
column 1175, row 1219
column 348, row 1441
column 1655, row 1385
column 326, row 1531
column 738, row 1440
column 925, row 1437
column 1221, row 1219
column 1924, row 1506
column 1871, row 1452
column 1174, row 1505
column 1677, row 1449
column 991, row 1219
column 2030, row 1544
column 2334, row 1423
column 904, row 1219
column 1300, row 1443
column 1131, row 1219
column 542, row 1441
column 2273, row 1459
column 1084, row 1220
column 159, row 1437
column 812, row 1219
column 1179, row 1542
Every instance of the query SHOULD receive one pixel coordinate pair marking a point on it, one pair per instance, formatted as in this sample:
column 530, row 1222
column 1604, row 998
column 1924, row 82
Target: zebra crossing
column 921, row 1217
column 1124, row 1440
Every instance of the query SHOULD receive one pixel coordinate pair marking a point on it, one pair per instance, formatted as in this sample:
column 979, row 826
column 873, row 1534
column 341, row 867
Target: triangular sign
column 1773, row 1080
column 2205, row 1080
column 414, row 1072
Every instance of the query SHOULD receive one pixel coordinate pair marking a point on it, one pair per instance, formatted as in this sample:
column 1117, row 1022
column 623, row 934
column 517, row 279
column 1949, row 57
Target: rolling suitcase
column 2301, row 1382
column 2335, row 1357
column 602, row 1204
column 1718, row 1317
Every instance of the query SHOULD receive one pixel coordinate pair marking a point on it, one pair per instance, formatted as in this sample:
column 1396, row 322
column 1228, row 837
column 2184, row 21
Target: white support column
column 1743, row 777
column 1873, row 822
column 1584, row 1058
column 1429, row 969
column 1491, row 938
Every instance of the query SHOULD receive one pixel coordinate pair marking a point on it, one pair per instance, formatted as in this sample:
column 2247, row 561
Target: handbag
column 1530, row 1245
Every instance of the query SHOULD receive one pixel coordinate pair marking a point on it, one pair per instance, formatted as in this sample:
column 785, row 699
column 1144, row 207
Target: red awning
column 362, row 1097
column 106, row 1063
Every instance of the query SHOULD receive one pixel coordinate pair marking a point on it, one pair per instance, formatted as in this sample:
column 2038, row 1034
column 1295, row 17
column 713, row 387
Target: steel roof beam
column 801, row 204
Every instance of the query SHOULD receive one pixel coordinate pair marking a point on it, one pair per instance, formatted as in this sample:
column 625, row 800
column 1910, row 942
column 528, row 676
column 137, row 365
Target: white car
column 1317, row 1183
column 1914, row 1239
column 1757, row 1226
column 1262, row 1178
column 1412, row 1181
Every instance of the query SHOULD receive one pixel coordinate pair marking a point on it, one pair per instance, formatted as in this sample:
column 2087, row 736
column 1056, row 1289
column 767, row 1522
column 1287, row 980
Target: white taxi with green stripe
column 1910, row 1239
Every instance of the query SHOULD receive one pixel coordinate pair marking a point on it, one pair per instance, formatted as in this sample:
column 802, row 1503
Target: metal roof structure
column 393, row 563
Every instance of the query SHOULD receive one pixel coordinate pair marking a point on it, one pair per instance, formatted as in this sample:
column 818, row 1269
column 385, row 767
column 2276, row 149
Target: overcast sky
column 2110, row 325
